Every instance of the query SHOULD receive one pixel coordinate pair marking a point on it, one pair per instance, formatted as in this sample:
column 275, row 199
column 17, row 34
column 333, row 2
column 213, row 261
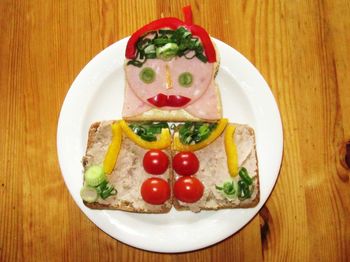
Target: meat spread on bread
column 191, row 172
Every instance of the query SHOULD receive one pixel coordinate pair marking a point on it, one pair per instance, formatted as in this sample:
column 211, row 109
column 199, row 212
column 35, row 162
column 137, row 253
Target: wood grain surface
column 302, row 48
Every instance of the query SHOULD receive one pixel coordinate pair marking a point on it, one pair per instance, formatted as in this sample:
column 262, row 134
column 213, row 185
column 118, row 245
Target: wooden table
column 302, row 48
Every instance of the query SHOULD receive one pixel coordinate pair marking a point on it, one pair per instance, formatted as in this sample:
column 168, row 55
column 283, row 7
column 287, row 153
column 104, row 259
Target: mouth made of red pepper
column 162, row 100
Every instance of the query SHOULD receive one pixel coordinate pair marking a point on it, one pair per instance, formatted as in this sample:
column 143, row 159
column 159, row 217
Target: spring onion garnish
column 88, row 194
column 94, row 175
column 185, row 79
column 167, row 52
column 165, row 44
column 195, row 132
column 148, row 131
column 228, row 188
column 96, row 185
column 243, row 173
column 242, row 189
column 147, row 75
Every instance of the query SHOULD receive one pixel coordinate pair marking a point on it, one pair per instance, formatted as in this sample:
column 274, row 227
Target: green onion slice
column 88, row 194
column 243, row 173
column 94, row 175
column 185, row 79
column 147, row 75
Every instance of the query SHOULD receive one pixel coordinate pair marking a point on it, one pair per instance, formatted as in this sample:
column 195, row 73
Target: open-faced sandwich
column 170, row 68
column 172, row 148
column 142, row 167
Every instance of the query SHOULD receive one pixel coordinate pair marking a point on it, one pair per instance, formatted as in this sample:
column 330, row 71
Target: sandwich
column 227, row 173
column 145, row 168
column 170, row 67
column 115, row 176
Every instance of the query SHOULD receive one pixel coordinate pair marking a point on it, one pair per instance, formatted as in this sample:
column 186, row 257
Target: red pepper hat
column 173, row 24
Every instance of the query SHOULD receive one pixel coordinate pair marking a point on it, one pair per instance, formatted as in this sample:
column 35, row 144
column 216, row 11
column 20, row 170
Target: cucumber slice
column 94, row 175
column 88, row 194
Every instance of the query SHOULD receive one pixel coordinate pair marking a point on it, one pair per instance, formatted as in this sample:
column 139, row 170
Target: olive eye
column 147, row 75
column 185, row 79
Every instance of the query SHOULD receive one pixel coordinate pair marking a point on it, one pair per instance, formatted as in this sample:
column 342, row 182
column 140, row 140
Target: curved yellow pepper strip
column 164, row 140
column 231, row 151
column 113, row 149
column 178, row 146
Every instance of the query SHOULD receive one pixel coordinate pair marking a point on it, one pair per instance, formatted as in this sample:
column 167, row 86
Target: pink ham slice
column 132, row 104
column 207, row 106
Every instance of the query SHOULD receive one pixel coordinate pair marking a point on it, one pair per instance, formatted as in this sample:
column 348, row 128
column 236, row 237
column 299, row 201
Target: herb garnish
column 243, row 189
column 148, row 130
column 195, row 132
column 165, row 44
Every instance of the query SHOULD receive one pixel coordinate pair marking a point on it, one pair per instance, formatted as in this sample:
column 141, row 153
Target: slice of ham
column 207, row 106
column 132, row 104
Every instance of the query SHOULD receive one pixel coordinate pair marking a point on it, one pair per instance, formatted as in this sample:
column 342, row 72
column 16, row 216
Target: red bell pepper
column 173, row 23
column 162, row 100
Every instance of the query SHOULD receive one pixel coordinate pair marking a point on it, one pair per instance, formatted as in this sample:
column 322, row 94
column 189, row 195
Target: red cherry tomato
column 185, row 163
column 155, row 191
column 155, row 162
column 188, row 189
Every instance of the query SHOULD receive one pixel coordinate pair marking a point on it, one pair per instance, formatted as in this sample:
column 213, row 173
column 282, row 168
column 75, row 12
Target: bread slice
column 175, row 115
column 128, row 175
column 213, row 171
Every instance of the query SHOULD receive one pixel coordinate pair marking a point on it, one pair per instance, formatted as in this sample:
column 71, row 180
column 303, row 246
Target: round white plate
column 97, row 94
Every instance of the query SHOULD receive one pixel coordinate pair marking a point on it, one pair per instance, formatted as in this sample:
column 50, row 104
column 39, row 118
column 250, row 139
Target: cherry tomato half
column 188, row 189
column 155, row 162
column 185, row 163
column 155, row 191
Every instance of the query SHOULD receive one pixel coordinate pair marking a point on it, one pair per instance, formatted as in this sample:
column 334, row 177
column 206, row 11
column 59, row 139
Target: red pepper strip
column 159, row 100
column 162, row 100
column 177, row 101
column 173, row 23
column 187, row 11
column 167, row 22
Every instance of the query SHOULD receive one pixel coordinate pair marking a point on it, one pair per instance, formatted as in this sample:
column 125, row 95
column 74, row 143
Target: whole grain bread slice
column 128, row 175
column 214, row 171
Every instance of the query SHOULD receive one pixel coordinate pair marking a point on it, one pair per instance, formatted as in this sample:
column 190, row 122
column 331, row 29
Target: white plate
column 97, row 94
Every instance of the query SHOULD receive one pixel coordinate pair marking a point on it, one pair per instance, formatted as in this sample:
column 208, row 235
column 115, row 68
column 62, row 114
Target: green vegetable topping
column 185, row 79
column 228, row 189
column 195, row 132
column 96, row 184
column 147, row 75
column 88, row 194
column 94, row 175
column 148, row 131
column 167, row 52
column 243, row 173
column 165, row 44
column 243, row 188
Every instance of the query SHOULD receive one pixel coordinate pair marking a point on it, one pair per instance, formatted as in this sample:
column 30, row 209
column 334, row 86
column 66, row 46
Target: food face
column 170, row 84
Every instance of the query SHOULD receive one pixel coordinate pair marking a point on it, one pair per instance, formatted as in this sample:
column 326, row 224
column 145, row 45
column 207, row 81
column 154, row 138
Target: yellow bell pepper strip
column 163, row 141
column 178, row 146
column 113, row 149
column 231, row 151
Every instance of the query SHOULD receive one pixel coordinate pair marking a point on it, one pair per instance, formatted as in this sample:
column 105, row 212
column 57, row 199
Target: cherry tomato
column 155, row 191
column 185, row 163
column 155, row 162
column 188, row 189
